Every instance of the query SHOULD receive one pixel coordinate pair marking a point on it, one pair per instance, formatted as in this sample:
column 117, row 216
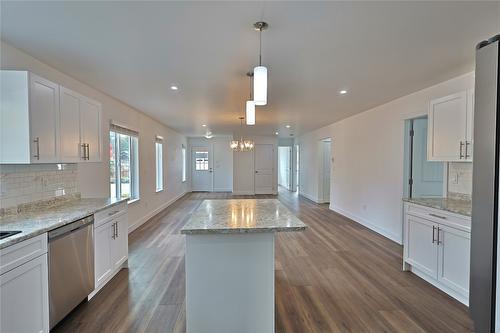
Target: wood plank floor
column 335, row 277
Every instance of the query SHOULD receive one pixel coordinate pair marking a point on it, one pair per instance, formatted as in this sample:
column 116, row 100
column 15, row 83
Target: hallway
column 337, row 276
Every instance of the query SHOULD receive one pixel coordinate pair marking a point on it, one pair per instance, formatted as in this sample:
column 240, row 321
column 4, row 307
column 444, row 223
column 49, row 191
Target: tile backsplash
column 459, row 179
column 20, row 184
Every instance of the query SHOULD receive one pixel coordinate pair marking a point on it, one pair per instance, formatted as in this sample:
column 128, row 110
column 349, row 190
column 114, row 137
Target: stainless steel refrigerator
column 484, row 297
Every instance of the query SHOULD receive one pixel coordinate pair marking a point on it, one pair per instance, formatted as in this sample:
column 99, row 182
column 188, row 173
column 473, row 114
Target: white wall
column 244, row 167
column 367, row 149
column 94, row 177
column 222, row 156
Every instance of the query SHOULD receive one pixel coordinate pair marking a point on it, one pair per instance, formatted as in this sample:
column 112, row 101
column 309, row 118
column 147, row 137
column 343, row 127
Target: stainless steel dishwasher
column 71, row 267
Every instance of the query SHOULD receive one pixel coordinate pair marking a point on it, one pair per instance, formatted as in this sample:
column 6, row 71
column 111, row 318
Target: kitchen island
column 230, row 264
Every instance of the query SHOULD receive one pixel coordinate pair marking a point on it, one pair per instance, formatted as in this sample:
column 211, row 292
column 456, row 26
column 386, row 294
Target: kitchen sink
column 5, row 234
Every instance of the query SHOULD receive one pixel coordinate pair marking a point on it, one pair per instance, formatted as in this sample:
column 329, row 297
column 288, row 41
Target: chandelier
column 241, row 144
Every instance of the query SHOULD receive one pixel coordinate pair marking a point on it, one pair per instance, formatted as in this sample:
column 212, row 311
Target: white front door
column 264, row 169
column 202, row 169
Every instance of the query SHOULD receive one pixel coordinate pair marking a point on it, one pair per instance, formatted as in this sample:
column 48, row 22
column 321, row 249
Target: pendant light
column 260, row 72
column 241, row 145
column 250, row 106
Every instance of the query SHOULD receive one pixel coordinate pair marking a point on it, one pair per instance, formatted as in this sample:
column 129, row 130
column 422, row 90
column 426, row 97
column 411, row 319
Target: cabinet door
column 90, row 120
column 44, row 118
column 119, row 247
column 447, row 127
column 454, row 259
column 69, row 126
column 421, row 250
column 24, row 301
column 102, row 251
column 470, row 125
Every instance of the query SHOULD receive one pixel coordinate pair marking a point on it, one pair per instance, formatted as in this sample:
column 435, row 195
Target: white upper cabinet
column 29, row 118
column 90, row 129
column 80, row 128
column 70, row 126
column 451, row 121
column 42, row 122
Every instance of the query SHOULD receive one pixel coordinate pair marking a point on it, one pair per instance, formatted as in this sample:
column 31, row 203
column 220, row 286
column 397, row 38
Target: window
column 184, row 164
column 123, row 163
column 159, row 164
column 201, row 160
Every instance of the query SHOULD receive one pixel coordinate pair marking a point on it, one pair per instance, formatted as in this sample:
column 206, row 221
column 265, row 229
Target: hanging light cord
column 260, row 46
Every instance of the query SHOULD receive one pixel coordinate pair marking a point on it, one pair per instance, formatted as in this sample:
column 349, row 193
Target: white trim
column 243, row 192
column 146, row 217
column 370, row 225
column 462, row 299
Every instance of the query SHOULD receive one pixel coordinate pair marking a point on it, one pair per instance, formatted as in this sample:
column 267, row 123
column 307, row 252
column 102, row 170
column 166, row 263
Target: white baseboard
column 310, row 197
column 370, row 225
column 145, row 218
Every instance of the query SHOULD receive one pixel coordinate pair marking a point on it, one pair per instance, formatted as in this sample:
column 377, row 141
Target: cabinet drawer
column 440, row 216
column 20, row 253
column 107, row 214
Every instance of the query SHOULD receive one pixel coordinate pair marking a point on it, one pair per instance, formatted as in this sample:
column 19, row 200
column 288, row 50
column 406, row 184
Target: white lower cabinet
column 102, row 250
column 454, row 259
column 111, row 244
column 421, row 250
column 437, row 248
column 24, row 295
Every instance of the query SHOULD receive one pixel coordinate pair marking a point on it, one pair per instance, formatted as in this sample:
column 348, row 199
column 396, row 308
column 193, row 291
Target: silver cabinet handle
column 114, row 232
column 37, row 141
column 438, row 240
column 113, row 213
column 438, row 216
column 467, row 155
column 88, row 151
column 433, row 233
column 116, row 225
column 83, row 151
column 461, row 149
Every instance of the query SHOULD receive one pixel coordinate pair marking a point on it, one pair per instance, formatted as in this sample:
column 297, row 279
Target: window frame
column 159, row 180
column 133, row 140
column 184, row 164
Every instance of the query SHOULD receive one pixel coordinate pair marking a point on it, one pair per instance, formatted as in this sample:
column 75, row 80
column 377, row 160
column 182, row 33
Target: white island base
column 230, row 283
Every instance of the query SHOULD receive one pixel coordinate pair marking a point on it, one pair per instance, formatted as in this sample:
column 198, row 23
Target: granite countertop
column 238, row 216
column 458, row 206
column 34, row 223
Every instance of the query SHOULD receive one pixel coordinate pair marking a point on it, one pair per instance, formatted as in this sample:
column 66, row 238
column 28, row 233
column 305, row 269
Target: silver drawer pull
column 113, row 213
column 438, row 216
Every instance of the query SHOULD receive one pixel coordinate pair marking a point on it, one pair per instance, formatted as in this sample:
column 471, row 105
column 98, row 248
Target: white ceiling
column 135, row 51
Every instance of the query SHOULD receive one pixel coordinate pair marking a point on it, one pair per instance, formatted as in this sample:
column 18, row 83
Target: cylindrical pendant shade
column 250, row 113
column 260, row 85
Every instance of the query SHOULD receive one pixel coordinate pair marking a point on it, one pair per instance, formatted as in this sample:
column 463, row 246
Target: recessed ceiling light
column 174, row 88
column 276, row 133
column 288, row 126
column 204, row 125
column 343, row 92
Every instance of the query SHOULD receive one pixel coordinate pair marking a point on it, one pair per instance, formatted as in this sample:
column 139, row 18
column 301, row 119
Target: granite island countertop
column 237, row 216
column 457, row 206
column 36, row 222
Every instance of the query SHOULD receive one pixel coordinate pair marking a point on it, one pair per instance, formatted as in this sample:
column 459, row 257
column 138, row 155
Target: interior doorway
column 325, row 169
column 285, row 167
column 423, row 179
